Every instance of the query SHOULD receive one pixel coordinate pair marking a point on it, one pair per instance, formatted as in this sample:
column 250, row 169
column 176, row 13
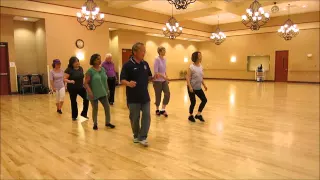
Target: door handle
column 3, row 74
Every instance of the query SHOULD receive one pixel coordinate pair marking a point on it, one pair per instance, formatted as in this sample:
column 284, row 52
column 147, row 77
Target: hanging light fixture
column 289, row 30
column 90, row 15
column 255, row 17
column 181, row 4
column 218, row 37
column 172, row 28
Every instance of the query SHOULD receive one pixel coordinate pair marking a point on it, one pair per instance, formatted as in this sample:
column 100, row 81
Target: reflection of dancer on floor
column 195, row 80
column 57, row 83
column 161, row 83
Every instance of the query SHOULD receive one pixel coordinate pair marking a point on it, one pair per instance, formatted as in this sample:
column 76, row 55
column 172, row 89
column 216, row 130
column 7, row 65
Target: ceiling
column 207, row 11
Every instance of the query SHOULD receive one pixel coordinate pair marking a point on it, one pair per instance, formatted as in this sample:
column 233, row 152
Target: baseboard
column 304, row 82
column 227, row 79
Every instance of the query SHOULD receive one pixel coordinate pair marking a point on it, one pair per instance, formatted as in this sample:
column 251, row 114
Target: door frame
column 8, row 64
column 275, row 64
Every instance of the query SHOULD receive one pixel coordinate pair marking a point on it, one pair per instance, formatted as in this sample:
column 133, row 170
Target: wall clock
column 80, row 43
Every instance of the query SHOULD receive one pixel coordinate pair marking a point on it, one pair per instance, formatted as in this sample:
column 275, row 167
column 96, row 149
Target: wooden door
column 126, row 53
column 281, row 71
column 5, row 88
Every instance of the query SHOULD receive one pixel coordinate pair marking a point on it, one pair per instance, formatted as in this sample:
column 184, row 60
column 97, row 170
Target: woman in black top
column 74, row 77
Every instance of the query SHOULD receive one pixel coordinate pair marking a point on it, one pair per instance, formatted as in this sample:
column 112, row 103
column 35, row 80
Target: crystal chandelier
column 218, row 37
column 90, row 16
column 255, row 17
column 289, row 30
column 172, row 29
column 181, row 4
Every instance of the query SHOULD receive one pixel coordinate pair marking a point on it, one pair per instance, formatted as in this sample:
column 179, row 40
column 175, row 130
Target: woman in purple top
column 57, row 83
column 112, row 77
column 161, row 82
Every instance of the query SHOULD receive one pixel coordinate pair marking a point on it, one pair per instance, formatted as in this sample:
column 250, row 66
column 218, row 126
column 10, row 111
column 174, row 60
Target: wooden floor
column 252, row 131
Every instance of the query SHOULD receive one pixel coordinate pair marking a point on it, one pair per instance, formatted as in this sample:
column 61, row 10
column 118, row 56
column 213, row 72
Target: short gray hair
column 160, row 49
column 136, row 47
column 108, row 55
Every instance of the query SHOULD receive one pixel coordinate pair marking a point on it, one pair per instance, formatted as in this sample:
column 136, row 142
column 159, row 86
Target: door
column 126, row 53
column 281, row 72
column 4, row 70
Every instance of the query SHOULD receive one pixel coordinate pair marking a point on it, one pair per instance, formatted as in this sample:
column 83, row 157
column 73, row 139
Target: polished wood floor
column 252, row 131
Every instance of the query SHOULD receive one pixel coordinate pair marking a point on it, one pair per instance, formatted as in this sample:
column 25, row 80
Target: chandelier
column 255, row 17
column 289, row 30
column 218, row 37
column 181, row 4
column 172, row 29
column 90, row 16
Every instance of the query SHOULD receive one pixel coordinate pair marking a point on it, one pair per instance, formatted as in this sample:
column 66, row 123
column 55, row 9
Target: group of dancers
column 98, row 84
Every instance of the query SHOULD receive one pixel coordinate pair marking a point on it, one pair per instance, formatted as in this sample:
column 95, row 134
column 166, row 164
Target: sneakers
column 74, row 119
column 163, row 112
column 191, row 118
column 110, row 125
column 200, row 118
column 59, row 111
column 95, row 127
column 144, row 143
column 135, row 140
column 157, row 112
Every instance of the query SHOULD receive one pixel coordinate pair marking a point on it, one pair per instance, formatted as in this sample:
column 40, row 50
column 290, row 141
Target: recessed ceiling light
column 284, row 9
column 25, row 19
column 304, row 6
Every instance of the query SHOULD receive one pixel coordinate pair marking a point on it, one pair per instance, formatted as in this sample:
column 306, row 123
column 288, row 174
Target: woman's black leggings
column 192, row 97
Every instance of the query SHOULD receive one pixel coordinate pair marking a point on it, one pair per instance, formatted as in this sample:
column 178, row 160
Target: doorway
column 126, row 53
column 281, row 66
column 5, row 88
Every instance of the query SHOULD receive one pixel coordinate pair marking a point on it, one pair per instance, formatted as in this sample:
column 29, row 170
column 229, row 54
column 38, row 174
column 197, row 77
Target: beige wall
column 41, row 48
column 62, row 33
column 177, row 50
column 58, row 34
column 216, row 59
column 25, row 47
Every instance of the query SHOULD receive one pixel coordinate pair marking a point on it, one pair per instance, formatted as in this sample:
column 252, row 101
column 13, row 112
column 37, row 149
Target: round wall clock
column 80, row 43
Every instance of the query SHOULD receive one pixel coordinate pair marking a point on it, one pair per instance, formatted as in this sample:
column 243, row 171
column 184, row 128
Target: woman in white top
column 195, row 80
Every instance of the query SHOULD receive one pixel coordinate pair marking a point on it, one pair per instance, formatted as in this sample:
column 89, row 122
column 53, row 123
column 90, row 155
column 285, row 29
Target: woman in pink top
column 161, row 82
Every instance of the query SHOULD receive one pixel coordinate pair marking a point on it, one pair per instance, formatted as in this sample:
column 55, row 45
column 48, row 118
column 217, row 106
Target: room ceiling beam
column 197, row 14
column 119, row 4
column 239, row 8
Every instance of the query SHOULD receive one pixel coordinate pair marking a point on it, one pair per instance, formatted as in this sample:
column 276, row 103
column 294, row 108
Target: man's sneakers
column 142, row 142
